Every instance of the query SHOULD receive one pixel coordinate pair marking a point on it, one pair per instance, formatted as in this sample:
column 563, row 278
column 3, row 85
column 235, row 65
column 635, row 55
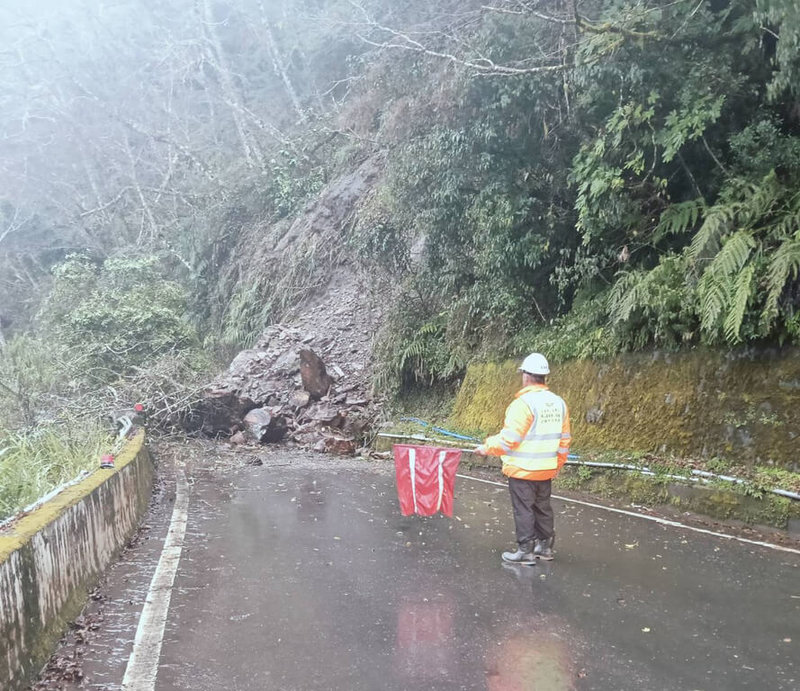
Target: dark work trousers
column 533, row 515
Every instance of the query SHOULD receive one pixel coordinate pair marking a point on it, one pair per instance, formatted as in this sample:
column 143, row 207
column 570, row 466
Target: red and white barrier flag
column 426, row 477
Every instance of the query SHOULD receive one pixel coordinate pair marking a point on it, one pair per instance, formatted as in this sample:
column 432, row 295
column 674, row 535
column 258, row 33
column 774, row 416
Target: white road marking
column 140, row 674
column 655, row 519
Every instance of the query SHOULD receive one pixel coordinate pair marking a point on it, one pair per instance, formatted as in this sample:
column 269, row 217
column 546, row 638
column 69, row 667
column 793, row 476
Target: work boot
column 523, row 555
column 544, row 548
column 539, row 542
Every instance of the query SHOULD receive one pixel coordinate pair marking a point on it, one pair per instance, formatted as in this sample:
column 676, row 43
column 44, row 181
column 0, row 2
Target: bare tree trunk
column 251, row 151
column 278, row 64
column 146, row 210
column 568, row 40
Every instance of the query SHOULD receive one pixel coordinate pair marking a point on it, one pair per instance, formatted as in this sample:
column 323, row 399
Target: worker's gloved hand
column 480, row 451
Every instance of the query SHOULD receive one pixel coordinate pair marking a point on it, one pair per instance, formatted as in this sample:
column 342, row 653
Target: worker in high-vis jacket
column 533, row 445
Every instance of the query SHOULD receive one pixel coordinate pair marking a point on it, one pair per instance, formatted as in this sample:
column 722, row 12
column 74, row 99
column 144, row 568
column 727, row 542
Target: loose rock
column 299, row 399
column 265, row 425
column 316, row 379
column 340, row 446
column 220, row 412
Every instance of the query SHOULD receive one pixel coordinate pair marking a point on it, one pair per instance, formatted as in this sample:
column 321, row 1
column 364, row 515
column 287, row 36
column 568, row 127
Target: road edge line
column 142, row 669
column 655, row 519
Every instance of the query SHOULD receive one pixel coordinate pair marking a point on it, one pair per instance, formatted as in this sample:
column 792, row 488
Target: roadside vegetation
column 645, row 196
column 750, row 501
column 33, row 463
column 107, row 336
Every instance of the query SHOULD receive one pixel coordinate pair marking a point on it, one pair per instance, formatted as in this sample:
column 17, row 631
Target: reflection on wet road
column 311, row 579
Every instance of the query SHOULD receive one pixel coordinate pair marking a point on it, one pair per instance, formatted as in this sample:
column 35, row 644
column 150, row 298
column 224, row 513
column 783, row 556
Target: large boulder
column 324, row 414
column 316, row 379
column 248, row 363
column 219, row 412
column 356, row 424
column 287, row 364
column 265, row 425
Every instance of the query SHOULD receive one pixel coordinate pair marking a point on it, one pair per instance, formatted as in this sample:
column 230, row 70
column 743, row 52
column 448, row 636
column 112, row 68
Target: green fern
column 713, row 291
column 788, row 224
column 738, row 304
column 743, row 206
column 785, row 264
column 734, row 254
column 721, row 285
column 751, row 223
column 421, row 355
column 625, row 296
column 717, row 222
column 760, row 200
column 679, row 218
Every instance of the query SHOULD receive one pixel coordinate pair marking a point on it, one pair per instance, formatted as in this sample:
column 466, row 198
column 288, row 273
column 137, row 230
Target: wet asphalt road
column 306, row 576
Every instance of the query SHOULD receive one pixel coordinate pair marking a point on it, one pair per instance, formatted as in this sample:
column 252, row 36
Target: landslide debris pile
column 281, row 390
column 308, row 379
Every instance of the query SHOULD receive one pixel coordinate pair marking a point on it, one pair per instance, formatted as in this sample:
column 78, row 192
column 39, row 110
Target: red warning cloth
column 426, row 477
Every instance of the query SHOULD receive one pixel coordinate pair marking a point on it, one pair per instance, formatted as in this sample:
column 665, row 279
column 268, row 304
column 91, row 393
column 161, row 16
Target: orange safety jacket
column 535, row 438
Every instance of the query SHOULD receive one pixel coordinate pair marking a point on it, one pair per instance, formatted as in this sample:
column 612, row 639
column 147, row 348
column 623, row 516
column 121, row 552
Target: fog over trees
column 124, row 122
column 638, row 156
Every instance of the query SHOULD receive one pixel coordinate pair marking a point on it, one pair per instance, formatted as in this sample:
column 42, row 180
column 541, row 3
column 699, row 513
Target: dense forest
column 581, row 176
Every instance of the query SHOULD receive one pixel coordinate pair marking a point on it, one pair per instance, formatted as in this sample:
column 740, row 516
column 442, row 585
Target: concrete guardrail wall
column 52, row 557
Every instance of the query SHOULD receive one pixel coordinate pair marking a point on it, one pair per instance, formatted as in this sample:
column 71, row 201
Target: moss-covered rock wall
column 700, row 403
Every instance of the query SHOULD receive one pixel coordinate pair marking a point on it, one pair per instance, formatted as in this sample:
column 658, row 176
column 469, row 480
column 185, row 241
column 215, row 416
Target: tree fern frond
column 734, row 254
column 760, row 199
column 678, row 218
column 789, row 223
column 713, row 291
column 738, row 304
column 745, row 205
column 719, row 287
column 785, row 264
column 429, row 329
column 717, row 222
column 625, row 296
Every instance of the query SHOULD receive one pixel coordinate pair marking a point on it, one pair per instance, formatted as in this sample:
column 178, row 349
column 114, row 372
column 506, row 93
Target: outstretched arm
column 517, row 423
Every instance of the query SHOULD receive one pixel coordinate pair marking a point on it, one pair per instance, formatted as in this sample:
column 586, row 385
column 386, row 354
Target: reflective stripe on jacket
column 535, row 438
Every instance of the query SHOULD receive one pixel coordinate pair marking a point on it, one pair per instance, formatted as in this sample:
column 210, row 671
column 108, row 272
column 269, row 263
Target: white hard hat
column 535, row 363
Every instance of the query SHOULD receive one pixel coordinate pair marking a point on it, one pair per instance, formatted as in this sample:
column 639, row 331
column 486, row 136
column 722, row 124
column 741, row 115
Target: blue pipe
column 439, row 430
column 455, row 435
